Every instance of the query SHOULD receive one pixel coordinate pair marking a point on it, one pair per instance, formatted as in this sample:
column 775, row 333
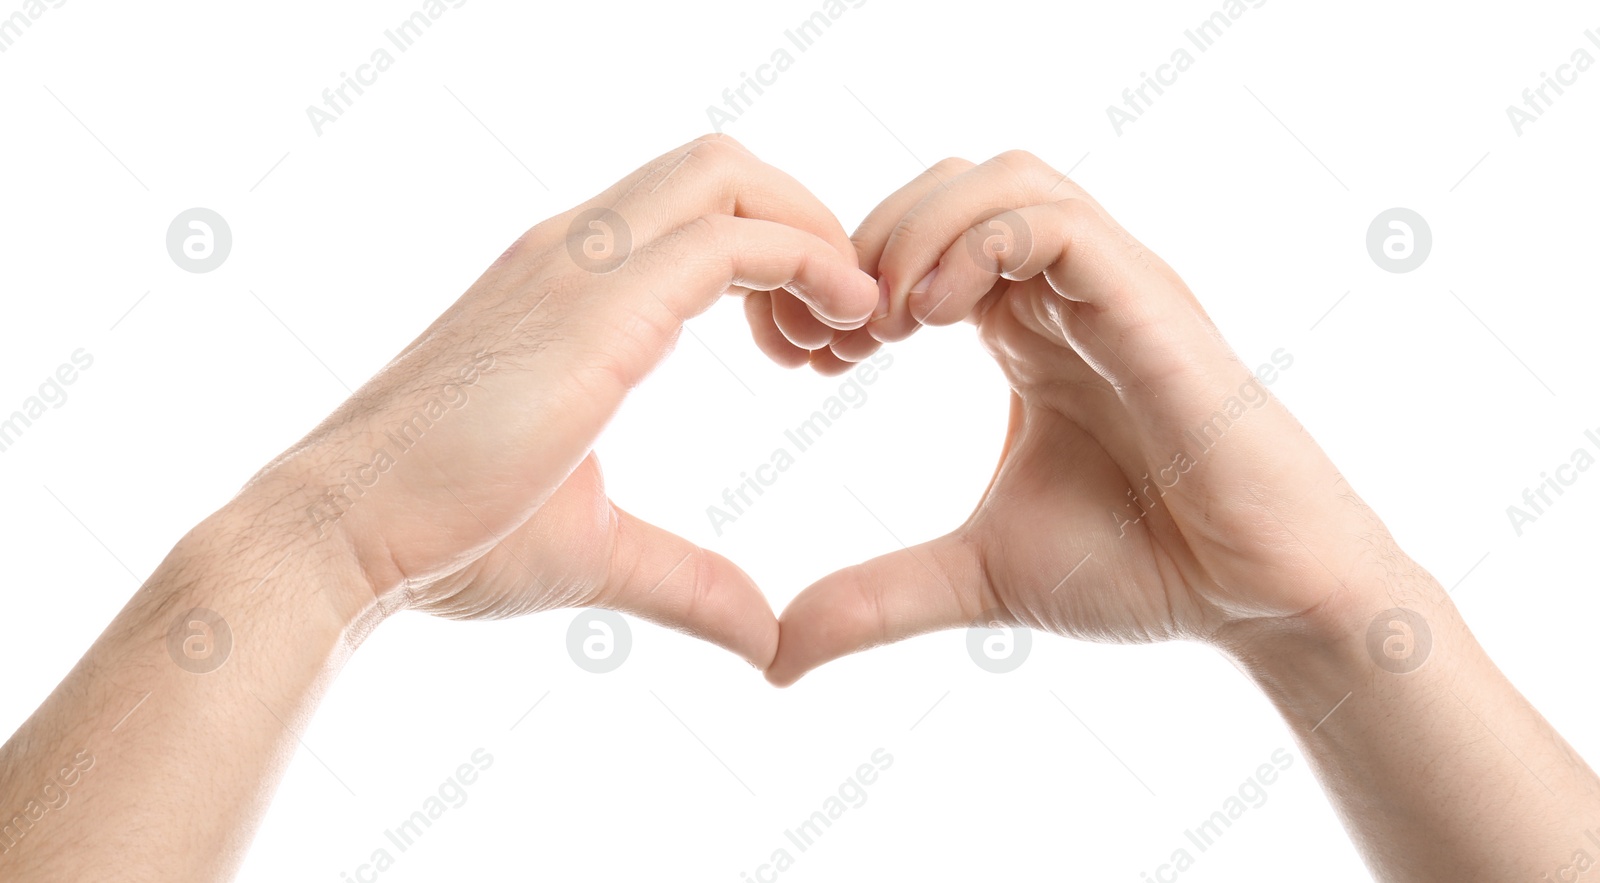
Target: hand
column 462, row 476
column 1149, row 487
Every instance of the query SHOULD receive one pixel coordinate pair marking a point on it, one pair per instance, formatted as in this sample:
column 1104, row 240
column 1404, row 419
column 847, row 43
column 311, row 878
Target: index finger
column 715, row 175
column 892, row 321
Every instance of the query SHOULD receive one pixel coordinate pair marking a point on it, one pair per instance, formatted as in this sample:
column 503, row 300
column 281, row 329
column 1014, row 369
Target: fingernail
column 926, row 283
column 883, row 300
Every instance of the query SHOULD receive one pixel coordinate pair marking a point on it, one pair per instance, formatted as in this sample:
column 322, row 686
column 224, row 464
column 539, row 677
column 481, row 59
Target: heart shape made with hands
column 1149, row 487
column 1115, row 513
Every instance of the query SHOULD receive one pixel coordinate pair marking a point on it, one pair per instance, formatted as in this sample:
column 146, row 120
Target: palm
column 1066, row 548
column 560, row 557
column 1078, row 486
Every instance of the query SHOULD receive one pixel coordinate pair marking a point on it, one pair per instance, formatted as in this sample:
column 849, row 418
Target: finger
column 1007, row 218
column 668, row 580
column 648, row 177
column 890, row 322
column 1122, row 314
column 972, row 208
column 873, row 233
column 824, row 362
column 713, row 174
column 691, row 268
column 764, row 330
column 797, row 323
column 577, row 224
column 716, row 175
column 913, row 247
column 682, row 275
column 924, row 588
column 853, row 346
column 712, row 252
column 995, row 249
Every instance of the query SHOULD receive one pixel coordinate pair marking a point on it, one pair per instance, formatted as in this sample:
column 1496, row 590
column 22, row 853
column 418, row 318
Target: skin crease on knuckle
column 1031, row 174
column 729, row 165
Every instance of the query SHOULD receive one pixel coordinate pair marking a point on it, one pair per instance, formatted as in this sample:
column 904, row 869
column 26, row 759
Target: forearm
column 104, row 778
column 1442, row 772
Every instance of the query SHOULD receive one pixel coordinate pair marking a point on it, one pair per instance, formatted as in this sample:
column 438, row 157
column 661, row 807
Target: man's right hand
column 498, row 507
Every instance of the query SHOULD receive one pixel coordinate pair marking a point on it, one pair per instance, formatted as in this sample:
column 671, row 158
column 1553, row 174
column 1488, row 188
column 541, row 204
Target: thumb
column 666, row 579
column 936, row 585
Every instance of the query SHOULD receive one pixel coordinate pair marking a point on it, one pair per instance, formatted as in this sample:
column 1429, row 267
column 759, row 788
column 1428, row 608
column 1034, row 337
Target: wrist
column 261, row 549
column 1387, row 622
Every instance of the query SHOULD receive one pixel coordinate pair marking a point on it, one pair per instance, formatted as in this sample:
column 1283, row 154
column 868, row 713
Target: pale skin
column 1259, row 548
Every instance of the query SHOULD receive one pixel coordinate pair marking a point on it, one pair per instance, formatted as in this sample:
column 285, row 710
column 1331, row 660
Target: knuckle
column 702, row 584
column 949, row 167
column 1029, row 170
column 1077, row 214
column 718, row 148
column 1066, row 187
column 516, row 249
column 703, row 244
column 870, row 606
column 721, row 167
column 706, row 233
column 1018, row 159
column 671, row 248
column 719, row 138
column 910, row 228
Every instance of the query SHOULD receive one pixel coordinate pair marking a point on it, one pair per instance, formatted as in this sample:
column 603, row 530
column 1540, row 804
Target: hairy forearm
column 1440, row 769
column 99, row 782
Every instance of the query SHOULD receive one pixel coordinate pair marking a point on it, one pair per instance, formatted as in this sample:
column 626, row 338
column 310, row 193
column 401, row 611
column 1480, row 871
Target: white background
column 1089, row 761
